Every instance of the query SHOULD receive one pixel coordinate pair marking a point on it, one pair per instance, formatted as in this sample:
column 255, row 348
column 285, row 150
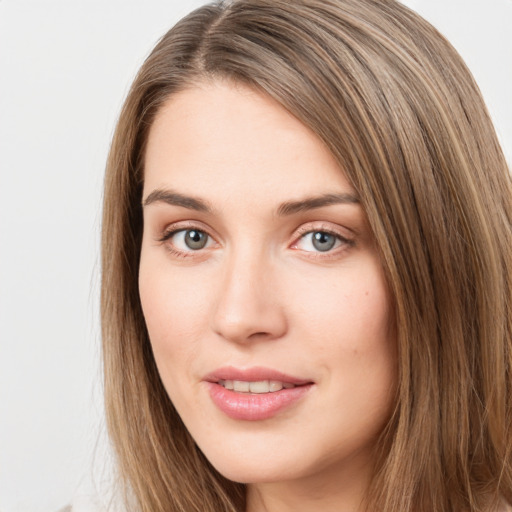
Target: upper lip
column 253, row 374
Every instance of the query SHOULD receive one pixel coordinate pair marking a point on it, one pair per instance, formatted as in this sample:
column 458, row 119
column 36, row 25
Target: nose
column 248, row 307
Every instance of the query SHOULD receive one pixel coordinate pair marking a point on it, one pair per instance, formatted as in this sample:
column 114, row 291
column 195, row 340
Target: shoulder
column 94, row 503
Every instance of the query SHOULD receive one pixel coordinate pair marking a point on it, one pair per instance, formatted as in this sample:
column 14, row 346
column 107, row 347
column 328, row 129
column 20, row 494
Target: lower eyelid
column 341, row 243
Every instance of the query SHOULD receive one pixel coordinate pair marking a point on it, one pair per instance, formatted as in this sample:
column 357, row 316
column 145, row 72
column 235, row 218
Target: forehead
column 222, row 139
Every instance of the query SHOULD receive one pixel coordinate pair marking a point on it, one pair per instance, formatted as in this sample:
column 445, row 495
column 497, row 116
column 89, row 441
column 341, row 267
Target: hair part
column 397, row 107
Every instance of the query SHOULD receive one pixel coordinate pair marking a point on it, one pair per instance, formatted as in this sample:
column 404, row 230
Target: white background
column 65, row 66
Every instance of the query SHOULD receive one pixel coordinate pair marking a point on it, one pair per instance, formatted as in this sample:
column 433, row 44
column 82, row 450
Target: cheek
column 174, row 309
column 370, row 340
column 348, row 326
column 372, row 357
column 353, row 306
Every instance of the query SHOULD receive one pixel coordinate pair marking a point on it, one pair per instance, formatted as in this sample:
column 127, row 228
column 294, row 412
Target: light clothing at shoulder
column 85, row 506
column 90, row 504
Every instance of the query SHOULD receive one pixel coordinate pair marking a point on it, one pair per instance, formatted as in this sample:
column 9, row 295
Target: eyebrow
column 310, row 203
column 175, row 199
column 287, row 208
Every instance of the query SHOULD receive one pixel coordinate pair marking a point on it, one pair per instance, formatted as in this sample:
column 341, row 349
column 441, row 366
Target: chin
column 267, row 463
column 242, row 465
column 247, row 473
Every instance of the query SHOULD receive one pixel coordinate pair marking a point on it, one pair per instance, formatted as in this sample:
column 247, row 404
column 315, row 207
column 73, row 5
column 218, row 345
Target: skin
column 260, row 293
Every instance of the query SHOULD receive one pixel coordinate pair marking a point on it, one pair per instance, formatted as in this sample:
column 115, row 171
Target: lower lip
column 255, row 407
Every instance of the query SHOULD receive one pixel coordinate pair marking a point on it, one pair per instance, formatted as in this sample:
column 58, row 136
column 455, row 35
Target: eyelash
column 345, row 242
column 172, row 231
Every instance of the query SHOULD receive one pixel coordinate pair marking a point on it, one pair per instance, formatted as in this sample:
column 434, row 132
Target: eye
column 319, row 241
column 189, row 239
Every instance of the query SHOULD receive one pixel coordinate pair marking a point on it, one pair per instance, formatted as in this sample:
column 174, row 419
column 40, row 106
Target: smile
column 255, row 394
column 257, row 387
column 259, row 405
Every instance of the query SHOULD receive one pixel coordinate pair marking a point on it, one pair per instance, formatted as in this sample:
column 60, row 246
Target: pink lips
column 254, row 407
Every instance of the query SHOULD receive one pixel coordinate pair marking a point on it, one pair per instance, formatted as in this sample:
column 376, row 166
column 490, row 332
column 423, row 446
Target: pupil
column 195, row 239
column 323, row 241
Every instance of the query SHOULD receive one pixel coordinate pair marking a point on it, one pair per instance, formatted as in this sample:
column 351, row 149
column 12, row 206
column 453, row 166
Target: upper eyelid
column 347, row 241
column 171, row 231
column 344, row 240
column 308, row 227
column 185, row 225
column 320, row 227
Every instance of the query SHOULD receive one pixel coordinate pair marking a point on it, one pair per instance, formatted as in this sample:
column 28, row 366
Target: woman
column 307, row 269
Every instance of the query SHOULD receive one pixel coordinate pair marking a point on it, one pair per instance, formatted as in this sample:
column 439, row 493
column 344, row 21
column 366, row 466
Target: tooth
column 287, row 385
column 275, row 385
column 228, row 384
column 260, row 386
column 241, row 386
column 221, row 382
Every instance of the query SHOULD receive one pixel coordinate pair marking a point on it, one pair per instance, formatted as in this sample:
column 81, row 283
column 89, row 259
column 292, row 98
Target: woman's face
column 263, row 294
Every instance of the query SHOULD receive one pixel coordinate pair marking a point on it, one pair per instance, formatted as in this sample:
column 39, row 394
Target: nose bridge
column 248, row 305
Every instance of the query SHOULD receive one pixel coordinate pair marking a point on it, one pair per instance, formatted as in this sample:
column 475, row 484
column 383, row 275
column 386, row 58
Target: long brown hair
column 397, row 107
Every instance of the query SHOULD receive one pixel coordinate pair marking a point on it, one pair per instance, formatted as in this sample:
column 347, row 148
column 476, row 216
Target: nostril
column 260, row 335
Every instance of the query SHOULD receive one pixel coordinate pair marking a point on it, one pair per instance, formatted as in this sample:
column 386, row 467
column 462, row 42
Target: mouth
column 259, row 378
column 255, row 387
column 255, row 394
